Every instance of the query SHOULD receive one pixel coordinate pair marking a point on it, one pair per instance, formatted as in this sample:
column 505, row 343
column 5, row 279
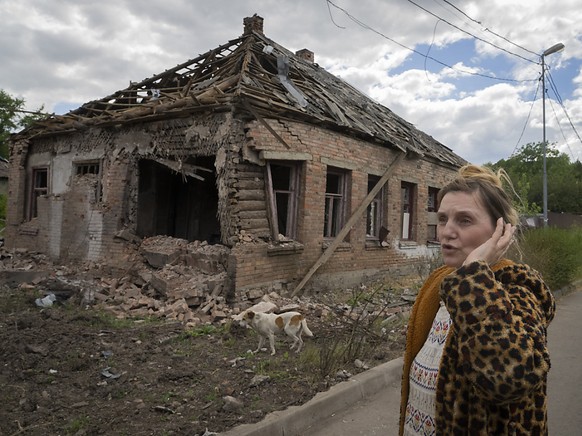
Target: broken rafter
column 264, row 123
column 183, row 168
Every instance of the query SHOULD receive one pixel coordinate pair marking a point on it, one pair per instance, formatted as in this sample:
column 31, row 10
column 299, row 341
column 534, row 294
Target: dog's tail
column 305, row 328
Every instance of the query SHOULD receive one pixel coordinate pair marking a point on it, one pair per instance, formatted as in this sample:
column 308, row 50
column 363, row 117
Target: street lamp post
column 553, row 49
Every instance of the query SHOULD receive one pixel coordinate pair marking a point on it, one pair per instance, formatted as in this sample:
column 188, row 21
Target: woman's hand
column 495, row 247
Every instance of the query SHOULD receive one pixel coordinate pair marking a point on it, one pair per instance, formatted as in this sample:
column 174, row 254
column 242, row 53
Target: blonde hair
column 489, row 186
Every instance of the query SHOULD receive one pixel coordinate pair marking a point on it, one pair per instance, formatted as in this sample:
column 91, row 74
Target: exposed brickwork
column 77, row 224
column 256, row 265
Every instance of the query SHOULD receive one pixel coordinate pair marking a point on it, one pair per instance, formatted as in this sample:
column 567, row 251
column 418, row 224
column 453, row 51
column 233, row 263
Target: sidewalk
column 368, row 404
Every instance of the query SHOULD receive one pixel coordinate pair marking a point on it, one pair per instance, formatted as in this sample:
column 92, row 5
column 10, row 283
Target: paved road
column 565, row 379
column 378, row 415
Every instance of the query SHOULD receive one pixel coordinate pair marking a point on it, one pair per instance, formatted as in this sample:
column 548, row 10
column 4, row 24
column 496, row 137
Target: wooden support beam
column 349, row 224
column 264, row 123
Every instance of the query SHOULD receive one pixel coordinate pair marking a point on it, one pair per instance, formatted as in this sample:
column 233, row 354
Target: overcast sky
column 465, row 72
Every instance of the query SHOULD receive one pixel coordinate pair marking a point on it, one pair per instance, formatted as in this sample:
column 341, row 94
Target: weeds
column 77, row 424
column 359, row 327
column 203, row 330
column 555, row 253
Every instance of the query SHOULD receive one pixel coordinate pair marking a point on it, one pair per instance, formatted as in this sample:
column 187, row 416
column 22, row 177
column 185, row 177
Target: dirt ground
column 75, row 370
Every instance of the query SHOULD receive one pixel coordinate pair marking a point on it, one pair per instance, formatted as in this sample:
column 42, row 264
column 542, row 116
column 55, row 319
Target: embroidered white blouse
column 420, row 409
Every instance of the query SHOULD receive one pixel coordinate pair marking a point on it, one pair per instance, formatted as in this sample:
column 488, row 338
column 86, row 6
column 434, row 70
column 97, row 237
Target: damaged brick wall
column 88, row 227
column 262, row 262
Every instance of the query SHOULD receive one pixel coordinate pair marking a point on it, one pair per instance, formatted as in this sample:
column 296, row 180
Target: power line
column 366, row 26
column 489, row 30
column 426, row 56
column 561, row 103
column 470, row 34
column 560, row 127
column 526, row 120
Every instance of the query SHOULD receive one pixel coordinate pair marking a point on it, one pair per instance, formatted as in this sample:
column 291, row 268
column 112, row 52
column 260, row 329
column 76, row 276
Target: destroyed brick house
column 307, row 182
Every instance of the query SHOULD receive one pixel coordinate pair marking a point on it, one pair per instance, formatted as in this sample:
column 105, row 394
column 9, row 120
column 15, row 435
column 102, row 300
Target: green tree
column 14, row 117
column 564, row 178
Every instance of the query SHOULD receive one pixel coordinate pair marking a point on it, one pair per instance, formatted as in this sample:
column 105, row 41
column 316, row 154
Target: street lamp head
column 553, row 49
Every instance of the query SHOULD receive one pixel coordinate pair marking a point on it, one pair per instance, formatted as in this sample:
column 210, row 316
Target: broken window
column 336, row 188
column 178, row 199
column 283, row 182
column 408, row 194
column 375, row 211
column 432, row 199
column 38, row 186
column 91, row 169
column 83, row 168
column 432, row 208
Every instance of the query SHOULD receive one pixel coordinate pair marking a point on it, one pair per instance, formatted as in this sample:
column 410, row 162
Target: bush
column 555, row 253
column 2, row 207
column 2, row 213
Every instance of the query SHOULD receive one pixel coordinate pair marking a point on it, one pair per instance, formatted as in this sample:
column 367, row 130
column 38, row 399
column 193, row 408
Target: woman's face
column 463, row 225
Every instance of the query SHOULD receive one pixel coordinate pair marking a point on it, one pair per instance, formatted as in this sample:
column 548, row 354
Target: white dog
column 267, row 324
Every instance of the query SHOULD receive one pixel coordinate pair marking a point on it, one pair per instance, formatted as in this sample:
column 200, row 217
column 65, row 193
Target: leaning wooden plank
column 348, row 226
column 264, row 123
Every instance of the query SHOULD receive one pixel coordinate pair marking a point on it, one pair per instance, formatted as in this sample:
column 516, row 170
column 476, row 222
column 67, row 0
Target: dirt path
column 74, row 371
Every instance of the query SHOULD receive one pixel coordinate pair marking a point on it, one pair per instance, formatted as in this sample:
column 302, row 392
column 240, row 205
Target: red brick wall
column 256, row 265
column 95, row 224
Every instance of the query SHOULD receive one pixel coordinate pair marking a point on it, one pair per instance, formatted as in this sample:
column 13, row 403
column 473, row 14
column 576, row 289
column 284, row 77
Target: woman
column 476, row 360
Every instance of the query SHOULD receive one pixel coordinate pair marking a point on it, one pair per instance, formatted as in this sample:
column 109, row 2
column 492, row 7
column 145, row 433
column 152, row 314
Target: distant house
column 309, row 182
column 3, row 176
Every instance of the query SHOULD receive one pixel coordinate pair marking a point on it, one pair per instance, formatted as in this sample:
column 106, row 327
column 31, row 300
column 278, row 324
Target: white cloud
column 62, row 52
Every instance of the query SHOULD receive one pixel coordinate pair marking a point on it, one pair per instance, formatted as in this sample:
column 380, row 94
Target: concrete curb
column 567, row 289
column 296, row 419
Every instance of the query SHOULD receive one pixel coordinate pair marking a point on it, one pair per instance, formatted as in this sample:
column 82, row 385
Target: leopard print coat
column 493, row 372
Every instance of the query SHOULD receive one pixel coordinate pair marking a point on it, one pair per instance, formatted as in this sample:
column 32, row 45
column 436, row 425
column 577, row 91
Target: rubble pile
column 170, row 278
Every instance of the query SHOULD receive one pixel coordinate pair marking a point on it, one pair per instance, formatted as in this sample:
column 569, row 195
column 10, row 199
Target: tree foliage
column 14, row 117
column 564, row 179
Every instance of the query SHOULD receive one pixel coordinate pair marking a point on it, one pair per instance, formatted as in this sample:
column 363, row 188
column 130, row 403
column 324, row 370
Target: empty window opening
column 283, row 180
column 432, row 208
column 375, row 211
column 38, row 186
column 91, row 169
column 178, row 205
column 87, row 168
column 408, row 193
column 335, row 202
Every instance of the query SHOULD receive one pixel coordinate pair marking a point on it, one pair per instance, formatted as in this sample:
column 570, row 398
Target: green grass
column 76, row 425
column 555, row 253
column 203, row 330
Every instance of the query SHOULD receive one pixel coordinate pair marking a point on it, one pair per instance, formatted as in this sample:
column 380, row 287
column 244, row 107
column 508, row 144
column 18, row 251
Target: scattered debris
column 342, row 374
column 232, row 403
column 361, row 365
column 46, row 301
column 164, row 409
column 259, row 380
column 108, row 374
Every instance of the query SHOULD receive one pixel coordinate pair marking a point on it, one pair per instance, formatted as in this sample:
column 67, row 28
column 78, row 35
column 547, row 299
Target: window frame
column 292, row 206
column 432, row 208
column 407, row 206
column 84, row 168
column 36, row 191
column 335, row 206
column 377, row 204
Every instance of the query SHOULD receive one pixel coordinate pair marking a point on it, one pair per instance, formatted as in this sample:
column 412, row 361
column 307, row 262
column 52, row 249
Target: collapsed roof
column 256, row 76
